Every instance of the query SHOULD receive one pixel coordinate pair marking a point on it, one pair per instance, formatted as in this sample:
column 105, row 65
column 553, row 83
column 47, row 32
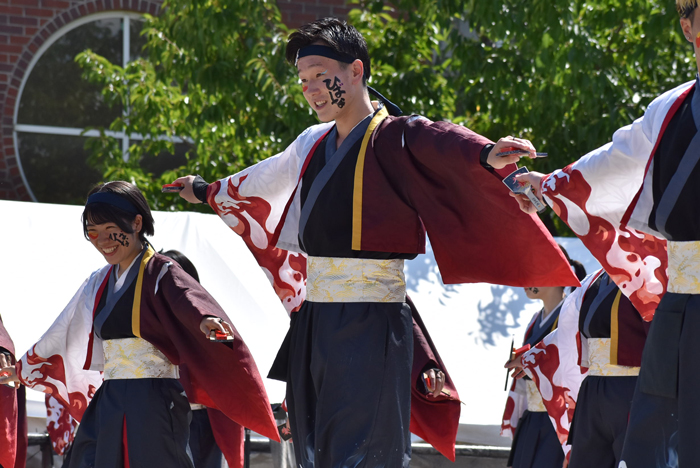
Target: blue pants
column 157, row 426
column 348, row 385
column 599, row 425
column 535, row 444
column 663, row 428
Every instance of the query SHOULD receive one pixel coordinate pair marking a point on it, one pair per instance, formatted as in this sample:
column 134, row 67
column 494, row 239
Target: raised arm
column 604, row 199
column 252, row 204
column 476, row 231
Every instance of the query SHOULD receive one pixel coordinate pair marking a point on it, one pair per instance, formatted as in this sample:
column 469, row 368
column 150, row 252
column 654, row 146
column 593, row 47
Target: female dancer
column 535, row 443
column 145, row 323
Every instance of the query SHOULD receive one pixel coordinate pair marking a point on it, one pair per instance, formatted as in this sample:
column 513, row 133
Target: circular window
column 56, row 105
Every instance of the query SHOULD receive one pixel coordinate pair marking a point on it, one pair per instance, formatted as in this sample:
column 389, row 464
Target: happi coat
column 516, row 402
column 412, row 176
column 534, row 440
column 68, row 360
column 559, row 363
column 609, row 199
column 13, row 416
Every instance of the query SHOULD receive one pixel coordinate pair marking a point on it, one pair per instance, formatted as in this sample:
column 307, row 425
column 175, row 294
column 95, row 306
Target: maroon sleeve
column 22, row 428
column 222, row 376
column 13, row 427
column 229, row 436
column 476, row 230
column 433, row 419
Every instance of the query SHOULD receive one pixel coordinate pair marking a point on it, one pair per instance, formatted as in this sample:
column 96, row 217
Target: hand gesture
column 187, row 193
column 510, row 143
column 209, row 325
column 517, row 365
column 535, row 180
column 434, row 381
column 8, row 373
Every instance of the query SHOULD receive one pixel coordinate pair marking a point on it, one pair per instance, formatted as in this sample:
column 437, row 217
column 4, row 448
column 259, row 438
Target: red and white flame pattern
column 60, row 425
column 251, row 220
column 636, row 261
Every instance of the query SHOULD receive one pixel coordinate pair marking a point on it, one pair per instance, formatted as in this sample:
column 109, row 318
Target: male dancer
column 633, row 204
column 356, row 195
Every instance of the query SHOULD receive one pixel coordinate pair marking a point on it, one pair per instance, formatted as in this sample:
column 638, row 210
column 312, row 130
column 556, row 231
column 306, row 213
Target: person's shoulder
column 411, row 119
column 158, row 260
column 678, row 90
column 401, row 124
column 315, row 131
column 97, row 277
column 306, row 139
column 666, row 99
column 162, row 268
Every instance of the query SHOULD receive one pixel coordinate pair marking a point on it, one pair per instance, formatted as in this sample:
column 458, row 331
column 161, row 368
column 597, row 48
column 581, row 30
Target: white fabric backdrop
column 45, row 258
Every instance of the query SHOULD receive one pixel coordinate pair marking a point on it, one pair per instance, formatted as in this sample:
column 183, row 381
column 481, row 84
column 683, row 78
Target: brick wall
column 298, row 12
column 26, row 24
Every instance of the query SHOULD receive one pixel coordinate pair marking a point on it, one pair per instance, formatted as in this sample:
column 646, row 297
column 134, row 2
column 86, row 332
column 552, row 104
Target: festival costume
column 634, row 206
column 591, row 362
column 358, row 212
column 144, row 337
column 13, row 416
column 202, row 443
column 535, row 444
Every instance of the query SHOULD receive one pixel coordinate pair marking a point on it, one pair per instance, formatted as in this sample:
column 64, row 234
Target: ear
column 687, row 28
column 358, row 71
column 137, row 224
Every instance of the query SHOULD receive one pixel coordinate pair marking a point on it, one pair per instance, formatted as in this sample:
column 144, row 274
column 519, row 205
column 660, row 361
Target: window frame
column 126, row 17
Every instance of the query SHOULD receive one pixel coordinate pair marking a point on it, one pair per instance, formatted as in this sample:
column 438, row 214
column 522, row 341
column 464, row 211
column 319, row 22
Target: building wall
column 25, row 25
column 298, row 12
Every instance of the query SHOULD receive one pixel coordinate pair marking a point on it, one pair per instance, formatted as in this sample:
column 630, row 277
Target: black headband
column 113, row 199
column 324, row 51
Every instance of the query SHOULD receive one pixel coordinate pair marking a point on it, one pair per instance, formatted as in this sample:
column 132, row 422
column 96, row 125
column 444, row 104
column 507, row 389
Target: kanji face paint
column 120, row 237
column 335, row 91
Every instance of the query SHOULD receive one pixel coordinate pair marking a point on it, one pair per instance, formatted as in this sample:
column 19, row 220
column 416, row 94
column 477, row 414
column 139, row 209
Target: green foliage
column 563, row 73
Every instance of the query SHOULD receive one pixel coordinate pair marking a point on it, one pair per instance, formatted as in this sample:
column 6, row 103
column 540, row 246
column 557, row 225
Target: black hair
column 579, row 269
column 183, row 261
column 336, row 34
column 686, row 8
column 101, row 213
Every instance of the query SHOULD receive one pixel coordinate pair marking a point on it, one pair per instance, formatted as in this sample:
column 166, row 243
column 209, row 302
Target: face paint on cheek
column 304, row 88
column 336, row 92
column 92, row 235
column 121, row 238
column 697, row 41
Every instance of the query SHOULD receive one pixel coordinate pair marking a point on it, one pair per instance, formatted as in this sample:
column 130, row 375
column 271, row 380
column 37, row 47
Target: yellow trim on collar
column 136, row 308
column 614, row 328
column 554, row 325
column 357, row 188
